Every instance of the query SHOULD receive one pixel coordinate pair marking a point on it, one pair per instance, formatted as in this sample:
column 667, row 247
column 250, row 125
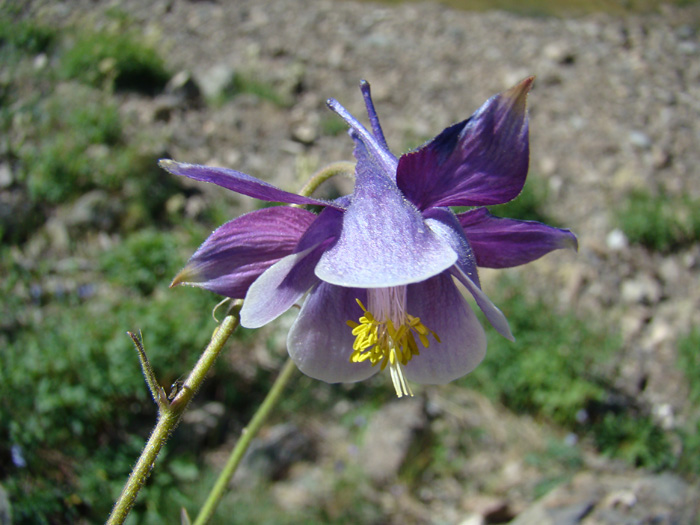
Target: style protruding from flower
column 376, row 271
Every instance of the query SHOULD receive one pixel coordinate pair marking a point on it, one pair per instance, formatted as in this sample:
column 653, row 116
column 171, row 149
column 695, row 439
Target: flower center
column 388, row 336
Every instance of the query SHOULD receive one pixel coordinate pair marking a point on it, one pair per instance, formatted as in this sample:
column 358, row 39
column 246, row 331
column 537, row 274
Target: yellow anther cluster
column 380, row 342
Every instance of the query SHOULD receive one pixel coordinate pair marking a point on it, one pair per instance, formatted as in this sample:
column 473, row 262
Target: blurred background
column 591, row 416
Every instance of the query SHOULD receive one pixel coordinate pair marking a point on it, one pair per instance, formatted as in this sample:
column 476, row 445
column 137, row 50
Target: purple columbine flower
column 376, row 269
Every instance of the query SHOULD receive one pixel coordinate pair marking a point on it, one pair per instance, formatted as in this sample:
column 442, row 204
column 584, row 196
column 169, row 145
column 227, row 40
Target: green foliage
column 557, row 462
column 249, row 84
column 689, row 461
column 75, row 143
column 529, row 205
column 76, row 386
column 66, row 151
column 548, row 370
column 660, row 222
column 115, row 59
column 635, row 439
column 689, row 362
column 143, row 261
column 555, row 369
column 26, row 35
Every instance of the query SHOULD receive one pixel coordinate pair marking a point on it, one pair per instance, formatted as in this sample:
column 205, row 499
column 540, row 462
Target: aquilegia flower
column 376, row 269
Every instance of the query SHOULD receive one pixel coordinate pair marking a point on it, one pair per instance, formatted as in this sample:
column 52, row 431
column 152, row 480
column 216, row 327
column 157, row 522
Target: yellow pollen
column 383, row 343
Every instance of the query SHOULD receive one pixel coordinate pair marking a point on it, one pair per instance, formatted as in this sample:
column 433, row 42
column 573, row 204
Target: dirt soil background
column 615, row 108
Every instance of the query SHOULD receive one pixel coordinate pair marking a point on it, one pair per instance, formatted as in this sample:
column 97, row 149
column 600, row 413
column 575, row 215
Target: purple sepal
column 238, row 252
column 372, row 114
column 482, row 160
column 238, row 182
column 503, row 243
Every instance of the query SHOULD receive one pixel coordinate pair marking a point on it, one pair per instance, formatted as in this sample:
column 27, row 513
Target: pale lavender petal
column 239, row 251
column 441, row 307
column 238, row 182
column 320, row 342
column 482, row 160
column 503, row 243
column 384, row 241
column 279, row 287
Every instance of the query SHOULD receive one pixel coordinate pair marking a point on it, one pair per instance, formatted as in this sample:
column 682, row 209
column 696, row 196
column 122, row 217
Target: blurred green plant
column 63, row 140
column 73, row 142
column 114, row 59
column 530, row 205
column 25, row 35
column 659, row 221
column 556, row 369
column 549, row 369
column 635, row 439
column 72, row 388
column 689, row 362
column 143, row 261
column 250, row 84
column 558, row 462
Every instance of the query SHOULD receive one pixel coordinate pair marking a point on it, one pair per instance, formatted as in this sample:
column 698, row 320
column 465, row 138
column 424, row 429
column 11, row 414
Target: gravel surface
column 615, row 107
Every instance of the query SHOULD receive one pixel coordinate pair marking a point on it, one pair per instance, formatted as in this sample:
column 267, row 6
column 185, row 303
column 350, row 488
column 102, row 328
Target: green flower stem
column 336, row 168
column 169, row 416
column 273, row 396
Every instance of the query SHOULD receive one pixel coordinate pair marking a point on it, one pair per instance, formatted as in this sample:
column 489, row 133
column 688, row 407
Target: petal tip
column 187, row 275
column 570, row 241
column 167, row 164
column 518, row 93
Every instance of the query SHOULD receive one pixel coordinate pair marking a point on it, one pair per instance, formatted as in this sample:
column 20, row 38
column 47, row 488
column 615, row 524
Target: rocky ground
column 615, row 107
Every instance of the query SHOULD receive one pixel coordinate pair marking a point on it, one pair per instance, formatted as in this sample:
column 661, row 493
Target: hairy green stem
column 168, row 418
column 342, row 167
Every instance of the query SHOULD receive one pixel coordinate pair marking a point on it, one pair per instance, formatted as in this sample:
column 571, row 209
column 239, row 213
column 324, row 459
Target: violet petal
column 482, row 160
column 372, row 114
column 444, row 223
column 503, row 243
column 375, row 149
column 236, row 253
column 238, row 182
